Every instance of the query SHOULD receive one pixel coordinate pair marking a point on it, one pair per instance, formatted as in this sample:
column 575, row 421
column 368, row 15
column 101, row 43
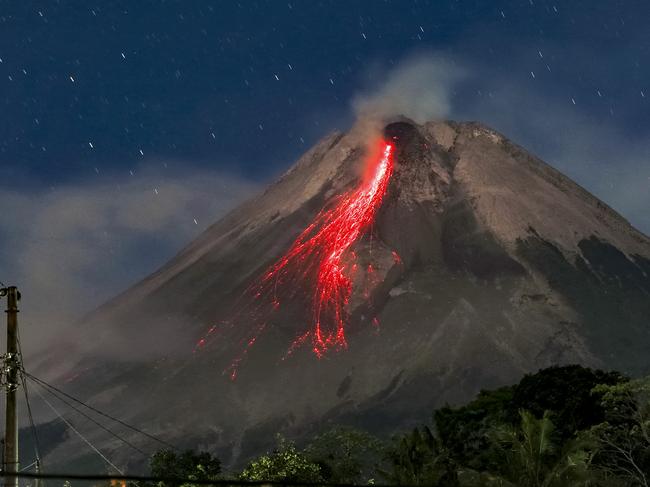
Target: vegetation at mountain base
column 566, row 393
column 284, row 464
column 420, row 458
column 560, row 427
column 535, row 457
column 624, row 437
column 345, row 455
column 187, row 465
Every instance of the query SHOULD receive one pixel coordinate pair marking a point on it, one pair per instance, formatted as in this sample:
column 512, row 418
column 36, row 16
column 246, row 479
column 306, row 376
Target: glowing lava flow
column 317, row 261
column 322, row 246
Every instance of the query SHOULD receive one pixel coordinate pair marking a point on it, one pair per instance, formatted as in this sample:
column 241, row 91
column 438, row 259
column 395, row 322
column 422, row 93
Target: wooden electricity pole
column 11, row 369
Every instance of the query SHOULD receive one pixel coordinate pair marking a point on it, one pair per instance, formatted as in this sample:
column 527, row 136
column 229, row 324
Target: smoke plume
column 419, row 88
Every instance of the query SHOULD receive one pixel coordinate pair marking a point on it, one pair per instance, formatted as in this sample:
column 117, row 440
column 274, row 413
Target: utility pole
column 11, row 367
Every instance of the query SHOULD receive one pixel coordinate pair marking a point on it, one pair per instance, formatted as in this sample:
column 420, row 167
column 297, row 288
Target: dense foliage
column 345, row 455
column 285, row 463
column 185, row 465
column 464, row 430
column 565, row 393
column 624, row 437
column 563, row 426
column 420, row 458
column 533, row 457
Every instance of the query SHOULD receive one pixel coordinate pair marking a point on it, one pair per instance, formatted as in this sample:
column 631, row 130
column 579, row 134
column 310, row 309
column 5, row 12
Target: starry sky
column 128, row 127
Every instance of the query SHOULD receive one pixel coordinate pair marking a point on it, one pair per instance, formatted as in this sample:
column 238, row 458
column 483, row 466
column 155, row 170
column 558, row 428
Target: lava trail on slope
column 318, row 260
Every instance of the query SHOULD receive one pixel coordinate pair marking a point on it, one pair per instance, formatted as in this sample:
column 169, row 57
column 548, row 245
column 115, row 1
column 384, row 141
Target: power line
column 29, row 410
column 96, row 423
column 79, row 401
column 28, row 466
column 31, row 423
column 78, row 433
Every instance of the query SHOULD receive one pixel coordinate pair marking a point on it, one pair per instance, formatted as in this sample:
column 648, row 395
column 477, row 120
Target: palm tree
column 419, row 458
column 533, row 458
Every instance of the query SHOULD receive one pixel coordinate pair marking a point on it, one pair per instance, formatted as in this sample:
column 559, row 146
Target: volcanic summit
column 374, row 281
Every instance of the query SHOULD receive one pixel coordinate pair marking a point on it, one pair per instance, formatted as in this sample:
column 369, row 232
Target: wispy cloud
column 75, row 246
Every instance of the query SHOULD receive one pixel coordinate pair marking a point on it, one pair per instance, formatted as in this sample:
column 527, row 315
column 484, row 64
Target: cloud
column 420, row 88
column 71, row 248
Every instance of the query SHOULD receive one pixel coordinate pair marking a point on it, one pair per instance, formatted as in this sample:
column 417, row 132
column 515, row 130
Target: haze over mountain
column 482, row 263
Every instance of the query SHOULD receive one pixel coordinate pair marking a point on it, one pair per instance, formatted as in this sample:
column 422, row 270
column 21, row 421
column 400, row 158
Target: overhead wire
column 78, row 433
column 61, row 395
column 92, row 420
column 95, row 410
column 32, row 425
column 23, row 374
column 28, row 467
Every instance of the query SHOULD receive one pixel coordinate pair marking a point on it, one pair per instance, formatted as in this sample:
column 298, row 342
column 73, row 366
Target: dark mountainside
column 505, row 266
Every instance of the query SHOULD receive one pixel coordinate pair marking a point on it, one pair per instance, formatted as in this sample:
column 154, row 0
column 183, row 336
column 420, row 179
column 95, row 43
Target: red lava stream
column 317, row 261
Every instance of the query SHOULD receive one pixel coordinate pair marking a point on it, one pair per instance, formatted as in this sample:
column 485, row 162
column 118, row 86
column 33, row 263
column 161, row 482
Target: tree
column 533, row 459
column 624, row 437
column 464, row 430
column 567, row 392
column 188, row 464
column 346, row 455
column 419, row 458
column 284, row 464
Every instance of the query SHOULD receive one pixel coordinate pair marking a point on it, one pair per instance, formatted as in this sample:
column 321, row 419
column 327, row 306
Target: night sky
column 128, row 127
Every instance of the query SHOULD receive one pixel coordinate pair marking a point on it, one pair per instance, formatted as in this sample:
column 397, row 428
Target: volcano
column 465, row 263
